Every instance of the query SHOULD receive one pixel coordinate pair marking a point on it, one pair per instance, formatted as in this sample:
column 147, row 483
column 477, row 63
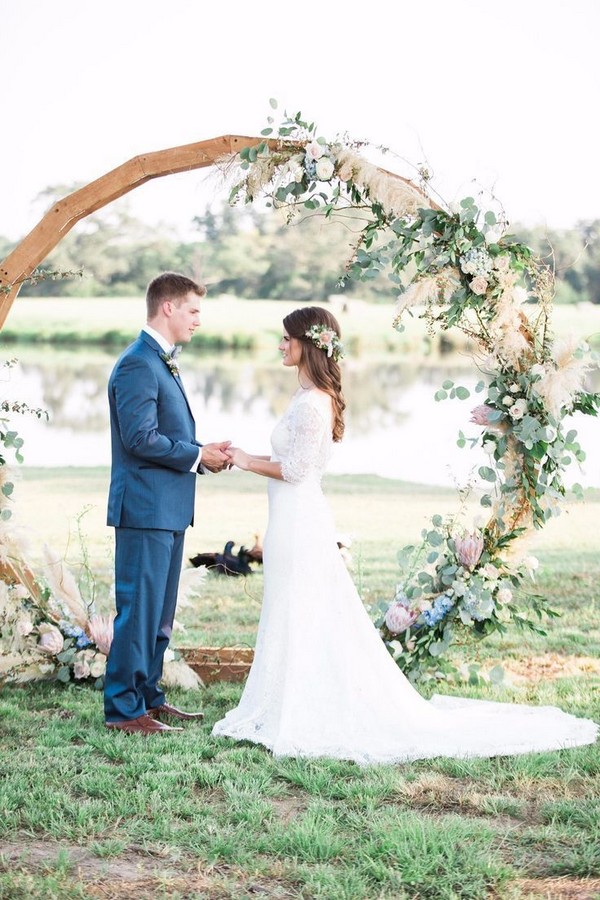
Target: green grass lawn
column 366, row 327
column 87, row 813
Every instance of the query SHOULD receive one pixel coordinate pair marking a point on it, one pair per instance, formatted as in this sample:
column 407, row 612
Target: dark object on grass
column 225, row 563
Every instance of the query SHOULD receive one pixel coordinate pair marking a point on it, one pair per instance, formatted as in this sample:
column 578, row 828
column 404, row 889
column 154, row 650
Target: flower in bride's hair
column 468, row 549
column 326, row 339
column 398, row 618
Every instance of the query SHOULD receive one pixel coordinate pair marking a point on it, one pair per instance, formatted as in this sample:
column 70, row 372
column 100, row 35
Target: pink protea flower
column 100, row 630
column 398, row 618
column 469, row 548
column 480, row 415
column 51, row 640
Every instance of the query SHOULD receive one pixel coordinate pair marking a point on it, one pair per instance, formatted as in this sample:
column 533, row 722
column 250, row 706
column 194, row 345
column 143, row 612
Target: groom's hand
column 214, row 456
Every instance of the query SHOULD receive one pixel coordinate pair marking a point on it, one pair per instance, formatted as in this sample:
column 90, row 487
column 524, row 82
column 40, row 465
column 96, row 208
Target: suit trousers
column 147, row 570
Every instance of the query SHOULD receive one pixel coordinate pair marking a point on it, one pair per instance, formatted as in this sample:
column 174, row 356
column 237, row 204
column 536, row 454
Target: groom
column 155, row 458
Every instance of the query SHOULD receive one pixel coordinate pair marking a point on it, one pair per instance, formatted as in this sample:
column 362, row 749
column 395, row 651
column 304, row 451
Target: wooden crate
column 218, row 663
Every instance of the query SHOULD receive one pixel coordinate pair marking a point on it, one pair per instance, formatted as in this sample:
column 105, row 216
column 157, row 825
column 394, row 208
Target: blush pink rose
column 479, row 285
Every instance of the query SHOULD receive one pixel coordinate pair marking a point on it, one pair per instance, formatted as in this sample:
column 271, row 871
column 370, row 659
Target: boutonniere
column 171, row 360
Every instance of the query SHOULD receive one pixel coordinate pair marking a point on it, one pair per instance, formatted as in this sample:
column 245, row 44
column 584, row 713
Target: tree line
column 254, row 253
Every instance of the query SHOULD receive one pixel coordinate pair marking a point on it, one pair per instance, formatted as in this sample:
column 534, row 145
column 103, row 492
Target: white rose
column 514, row 388
column 479, row 285
column 98, row 665
column 504, row 595
column 489, row 447
column 518, row 409
column 492, row 236
column 24, row 626
column 324, row 169
column 490, row 572
column 501, row 263
column 81, row 669
column 508, row 400
column 314, row 150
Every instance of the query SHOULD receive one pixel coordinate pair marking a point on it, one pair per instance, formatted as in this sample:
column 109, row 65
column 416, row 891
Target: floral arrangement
column 171, row 360
column 454, row 266
column 47, row 629
column 326, row 339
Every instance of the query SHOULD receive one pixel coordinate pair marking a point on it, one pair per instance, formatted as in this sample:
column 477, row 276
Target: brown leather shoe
column 145, row 724
column 166, row 710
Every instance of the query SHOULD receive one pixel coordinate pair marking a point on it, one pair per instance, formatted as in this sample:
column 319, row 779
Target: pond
column 395, row 428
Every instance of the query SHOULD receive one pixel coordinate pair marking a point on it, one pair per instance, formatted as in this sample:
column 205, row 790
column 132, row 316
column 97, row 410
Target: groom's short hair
column 170, row 286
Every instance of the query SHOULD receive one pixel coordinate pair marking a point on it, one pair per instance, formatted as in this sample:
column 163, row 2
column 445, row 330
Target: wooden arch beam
column 59, row 220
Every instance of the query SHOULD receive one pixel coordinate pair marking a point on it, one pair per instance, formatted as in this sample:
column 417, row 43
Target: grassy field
column 229, row 322
column 84, row 813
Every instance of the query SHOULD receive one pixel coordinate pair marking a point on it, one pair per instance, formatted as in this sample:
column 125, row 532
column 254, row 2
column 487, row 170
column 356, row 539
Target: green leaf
column 486, row 473
column 8, row 488
column 486, row 500
column 440, row 395
column 462, row 392
column 273, row 103
column 490, row 218
column 267, row 131
column 64, row 674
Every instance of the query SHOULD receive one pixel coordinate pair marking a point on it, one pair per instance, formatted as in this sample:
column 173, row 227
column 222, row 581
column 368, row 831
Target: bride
column 322, row 682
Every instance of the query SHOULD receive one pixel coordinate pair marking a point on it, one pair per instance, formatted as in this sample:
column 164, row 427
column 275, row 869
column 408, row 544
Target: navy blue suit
column 150, row 503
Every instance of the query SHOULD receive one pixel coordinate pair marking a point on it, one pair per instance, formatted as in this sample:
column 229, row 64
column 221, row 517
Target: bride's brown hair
column 323, row 370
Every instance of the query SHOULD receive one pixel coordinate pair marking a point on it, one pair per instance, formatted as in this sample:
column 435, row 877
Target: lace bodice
column 302, row 438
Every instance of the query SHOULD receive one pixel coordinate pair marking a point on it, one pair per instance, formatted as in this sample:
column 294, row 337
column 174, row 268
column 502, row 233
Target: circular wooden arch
column 59, row 220
column 61, row 217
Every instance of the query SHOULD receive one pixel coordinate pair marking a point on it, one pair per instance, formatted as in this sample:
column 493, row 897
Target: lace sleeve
column 308, row 430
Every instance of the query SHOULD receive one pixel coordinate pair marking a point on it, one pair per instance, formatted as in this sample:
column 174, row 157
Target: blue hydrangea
column 74, row 631
column 441, row 607
column 310, row 166
column 476, row 261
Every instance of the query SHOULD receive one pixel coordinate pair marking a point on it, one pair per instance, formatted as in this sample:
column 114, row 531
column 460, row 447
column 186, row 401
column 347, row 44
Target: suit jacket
column 153, row 439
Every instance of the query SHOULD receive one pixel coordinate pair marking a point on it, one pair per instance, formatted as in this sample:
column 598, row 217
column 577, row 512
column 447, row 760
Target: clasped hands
column 219, row 456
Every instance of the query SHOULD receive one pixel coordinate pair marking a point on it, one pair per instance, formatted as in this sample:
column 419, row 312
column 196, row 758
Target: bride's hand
column 238, row 457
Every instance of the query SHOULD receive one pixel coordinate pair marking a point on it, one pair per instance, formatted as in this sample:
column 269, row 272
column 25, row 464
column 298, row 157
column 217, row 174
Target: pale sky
column 504, row 94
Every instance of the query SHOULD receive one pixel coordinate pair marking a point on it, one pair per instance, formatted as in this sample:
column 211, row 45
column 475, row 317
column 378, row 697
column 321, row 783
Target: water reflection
column 394, row 426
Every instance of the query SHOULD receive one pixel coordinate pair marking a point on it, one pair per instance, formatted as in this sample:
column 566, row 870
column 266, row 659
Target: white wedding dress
column 322, row 682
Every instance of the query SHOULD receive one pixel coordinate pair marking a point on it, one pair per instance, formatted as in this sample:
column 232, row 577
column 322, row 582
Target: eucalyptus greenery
column 456, row 267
